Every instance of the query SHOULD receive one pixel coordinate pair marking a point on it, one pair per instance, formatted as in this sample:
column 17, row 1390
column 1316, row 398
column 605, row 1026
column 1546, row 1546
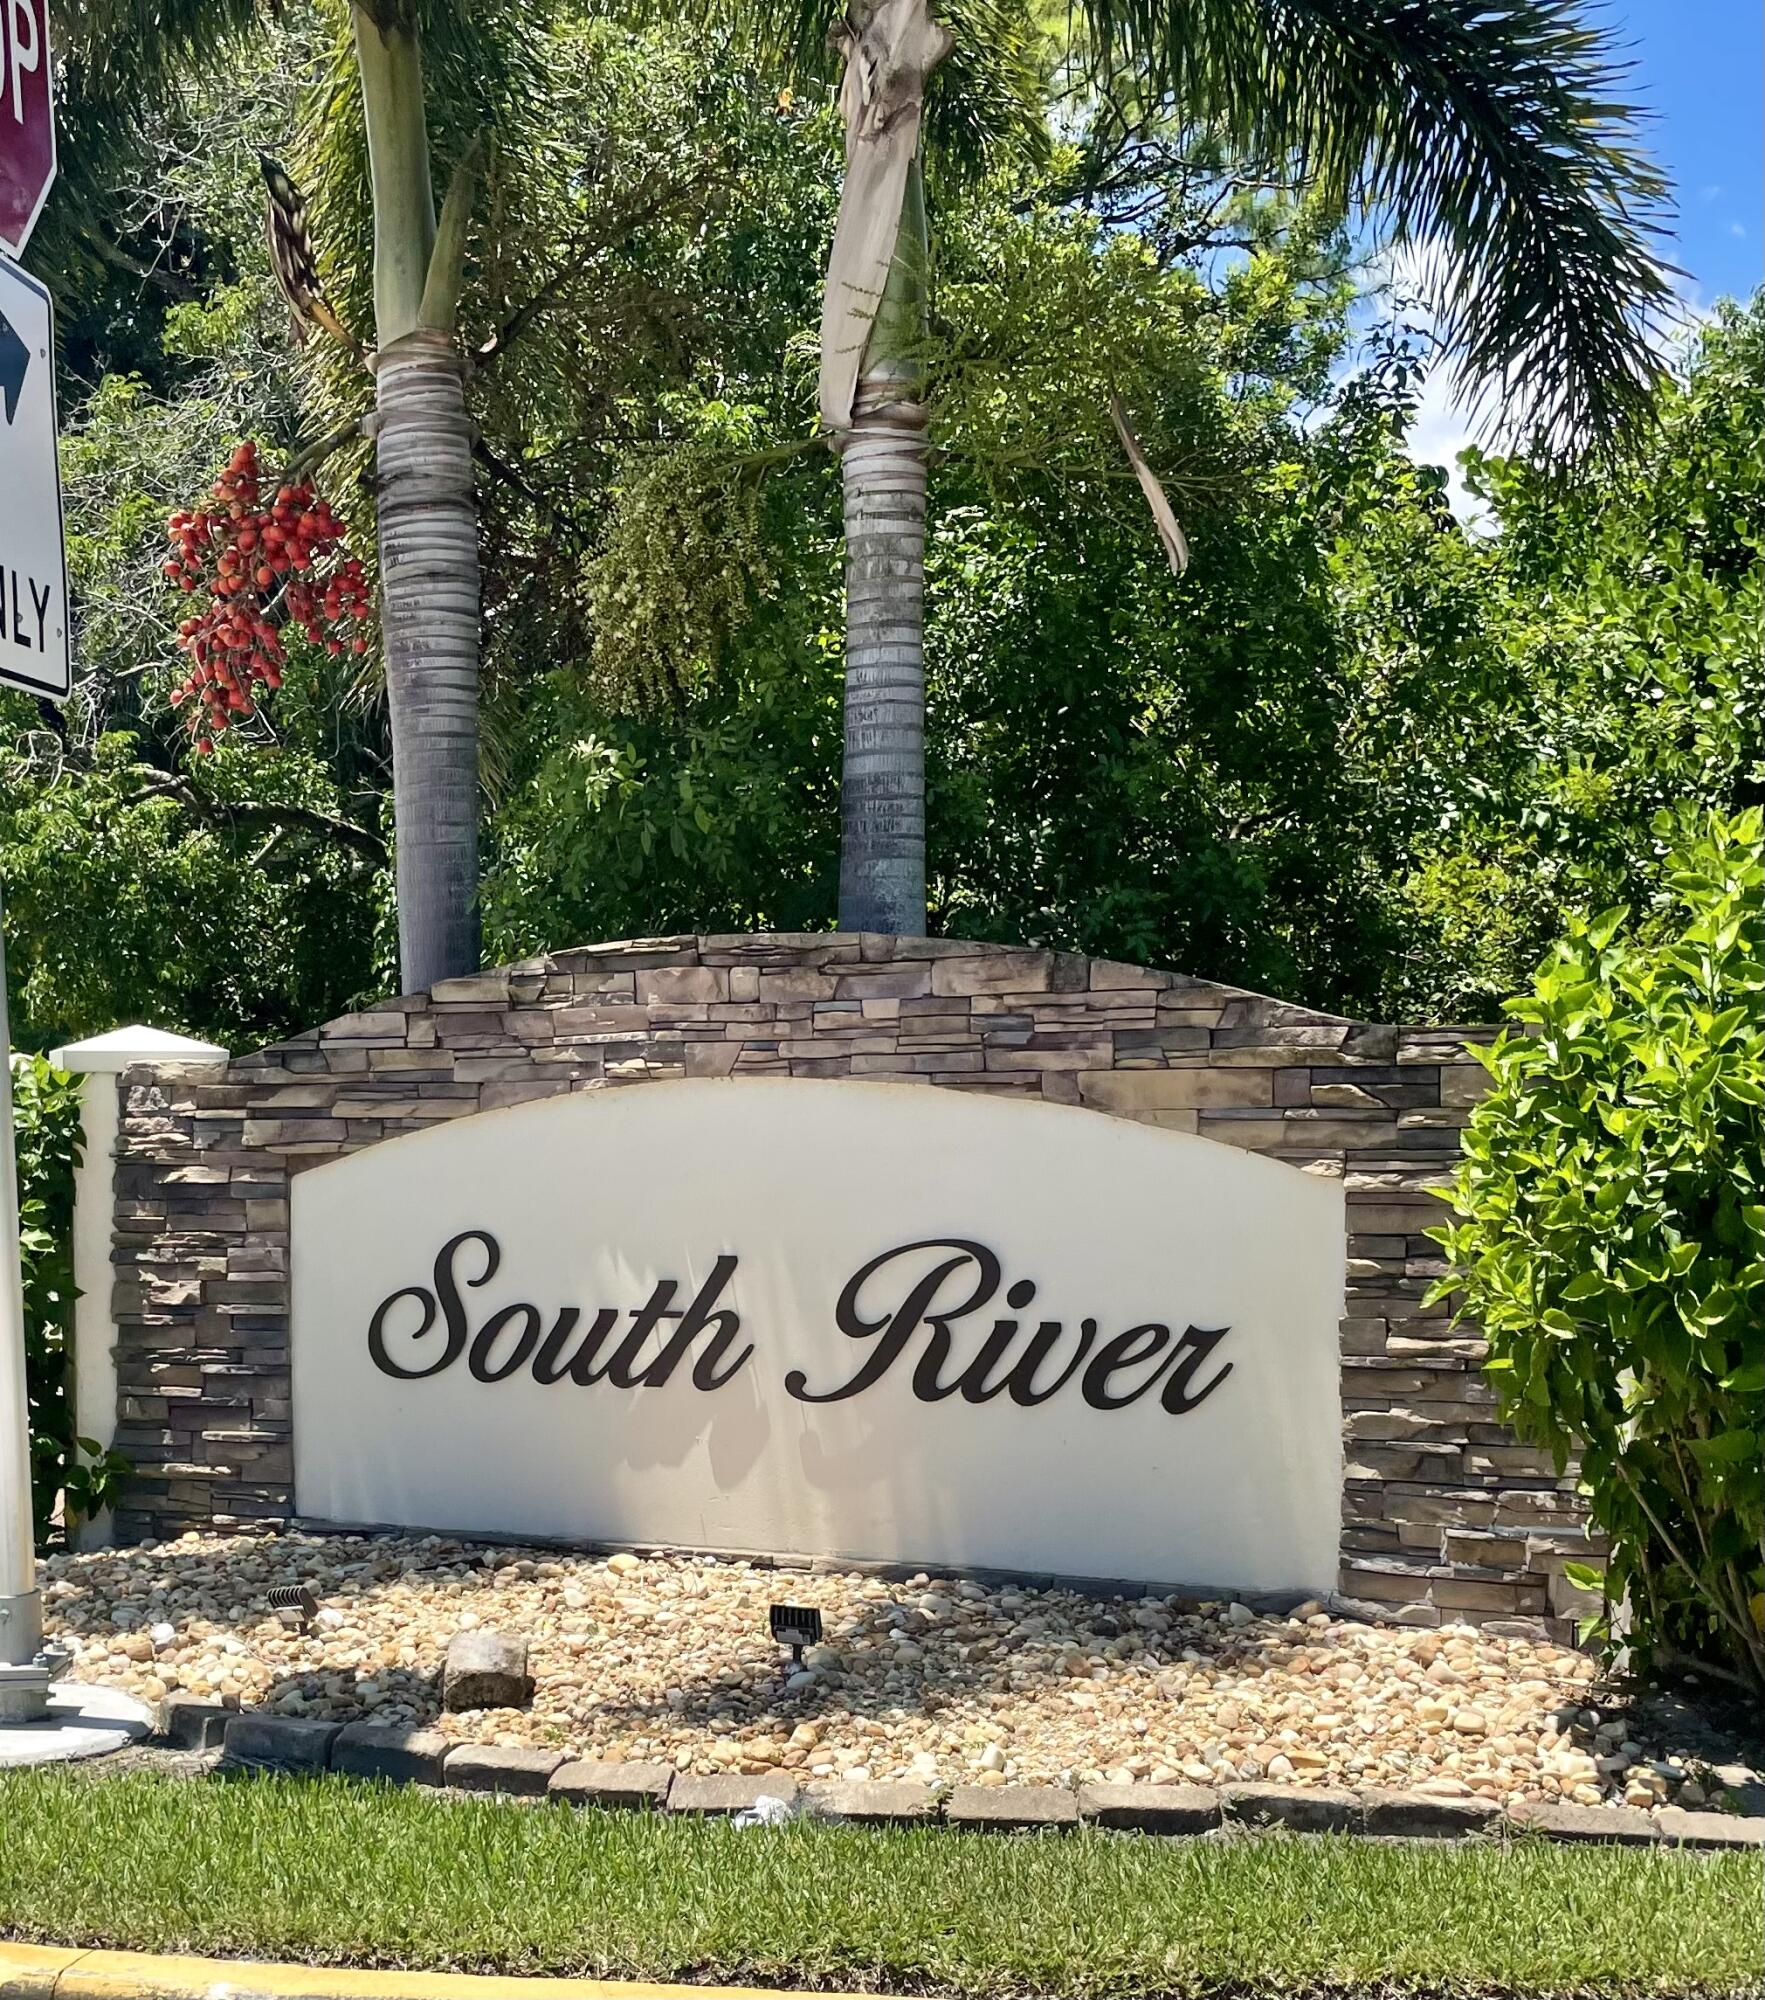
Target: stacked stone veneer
column 1444, row 1515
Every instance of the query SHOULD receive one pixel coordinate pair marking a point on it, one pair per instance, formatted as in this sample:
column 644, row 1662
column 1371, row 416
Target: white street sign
column 35, row 638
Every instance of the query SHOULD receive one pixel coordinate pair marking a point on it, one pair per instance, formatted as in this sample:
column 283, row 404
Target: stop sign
column 27, row 118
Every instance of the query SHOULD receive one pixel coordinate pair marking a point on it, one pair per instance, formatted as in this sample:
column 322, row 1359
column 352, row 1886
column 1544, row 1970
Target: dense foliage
column 1611, row 1242
column 1355, row 756
column 141, row 881
column 46, row 1128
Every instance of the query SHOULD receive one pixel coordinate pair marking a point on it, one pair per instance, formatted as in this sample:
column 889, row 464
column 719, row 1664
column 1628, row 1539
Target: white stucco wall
column 593, row 1198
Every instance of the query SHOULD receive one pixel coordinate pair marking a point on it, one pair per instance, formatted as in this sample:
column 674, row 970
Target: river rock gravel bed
column 669, row 1660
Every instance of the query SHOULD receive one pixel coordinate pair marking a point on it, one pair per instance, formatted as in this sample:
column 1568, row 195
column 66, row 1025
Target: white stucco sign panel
column 876, row 1320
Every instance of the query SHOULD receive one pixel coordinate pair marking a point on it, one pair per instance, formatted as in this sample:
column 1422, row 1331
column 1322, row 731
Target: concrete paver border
column 257, row 1741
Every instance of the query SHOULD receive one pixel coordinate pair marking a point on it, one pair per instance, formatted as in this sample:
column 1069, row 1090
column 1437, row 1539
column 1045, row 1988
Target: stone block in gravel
column 880, row 1802
column 1708, row 1829
column 1621, row 1826
column 1151, row 1808
column 278, row 1743
column 486, row 1670
column 1743, row 1788
column 725, row 1792
column 1011, row 1808
column 621, row 1786
column 1301, row 1808
column 1421, row 1815
column 401, row 1756
column 488, row 1767
column 192, row 1722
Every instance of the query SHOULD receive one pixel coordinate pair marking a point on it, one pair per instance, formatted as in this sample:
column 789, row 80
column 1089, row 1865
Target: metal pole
column 24, row 1672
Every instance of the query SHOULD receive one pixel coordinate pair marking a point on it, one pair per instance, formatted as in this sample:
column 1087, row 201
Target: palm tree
column 1487, row 134
column 427, row 523
column 123, row 56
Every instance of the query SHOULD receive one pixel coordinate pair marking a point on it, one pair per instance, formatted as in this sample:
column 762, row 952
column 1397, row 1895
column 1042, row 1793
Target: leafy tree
column 122, row 56
column 140, row 882
column 1620, row 620
column 1611, row 1243
column 229, row 909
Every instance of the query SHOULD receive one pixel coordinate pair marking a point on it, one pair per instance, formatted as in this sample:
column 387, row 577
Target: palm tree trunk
column 429, row 584
column 882, row 787
column 429, row 576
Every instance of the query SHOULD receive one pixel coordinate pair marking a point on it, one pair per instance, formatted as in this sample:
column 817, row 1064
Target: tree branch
column 310, row 456
column 647, row 206
column 500, row 468
column 530, row 308
column 221, row 812
column 1673, row 1549
column 119, row 259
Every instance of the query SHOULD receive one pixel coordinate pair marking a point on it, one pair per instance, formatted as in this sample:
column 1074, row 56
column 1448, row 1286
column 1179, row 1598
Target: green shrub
column 46, row 1129
column 1610, row 1243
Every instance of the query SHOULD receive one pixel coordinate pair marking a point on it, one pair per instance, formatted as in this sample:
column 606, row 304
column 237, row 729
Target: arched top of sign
column 1131, row 1042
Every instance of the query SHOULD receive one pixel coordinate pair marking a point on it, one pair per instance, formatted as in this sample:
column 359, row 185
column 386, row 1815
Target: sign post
column 25, row 1668
column 35, row 655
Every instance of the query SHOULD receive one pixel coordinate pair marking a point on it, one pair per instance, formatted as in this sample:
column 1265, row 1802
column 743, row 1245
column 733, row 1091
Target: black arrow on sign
column 15, row 358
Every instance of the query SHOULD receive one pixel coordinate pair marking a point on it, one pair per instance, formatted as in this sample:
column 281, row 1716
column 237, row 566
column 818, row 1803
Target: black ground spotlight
column 294, row 1604
column 795, row 1626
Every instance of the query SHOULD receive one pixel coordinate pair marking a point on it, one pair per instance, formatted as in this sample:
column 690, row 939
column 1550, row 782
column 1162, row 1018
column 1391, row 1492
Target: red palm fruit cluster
column 262, row 567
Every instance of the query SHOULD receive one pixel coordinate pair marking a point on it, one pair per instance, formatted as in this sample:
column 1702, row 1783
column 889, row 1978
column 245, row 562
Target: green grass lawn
column 339, row 1872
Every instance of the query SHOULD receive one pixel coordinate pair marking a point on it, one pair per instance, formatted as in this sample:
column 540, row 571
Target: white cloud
column 1442, row 429
column 1449, row 415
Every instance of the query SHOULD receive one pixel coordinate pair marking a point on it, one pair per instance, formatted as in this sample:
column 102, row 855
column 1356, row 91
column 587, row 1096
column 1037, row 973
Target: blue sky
column 1698, row 65
column 1697, row 72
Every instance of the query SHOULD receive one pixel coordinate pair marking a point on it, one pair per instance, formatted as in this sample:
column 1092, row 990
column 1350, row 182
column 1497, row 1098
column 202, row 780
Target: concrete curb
column 46, row 1972
column 260, row 1742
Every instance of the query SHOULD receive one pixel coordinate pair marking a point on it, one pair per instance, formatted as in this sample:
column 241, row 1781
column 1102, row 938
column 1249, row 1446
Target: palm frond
column 132, row 52
column 1494, row 136
column 989, row 97
column 119, row 63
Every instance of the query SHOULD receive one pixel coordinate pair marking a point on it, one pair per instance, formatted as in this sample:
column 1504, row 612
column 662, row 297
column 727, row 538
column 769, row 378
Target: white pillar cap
column 123, row 1047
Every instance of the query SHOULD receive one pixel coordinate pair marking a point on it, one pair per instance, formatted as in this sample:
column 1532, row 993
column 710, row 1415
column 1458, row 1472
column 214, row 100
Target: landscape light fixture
column 795, row 1626
column 294, row 1604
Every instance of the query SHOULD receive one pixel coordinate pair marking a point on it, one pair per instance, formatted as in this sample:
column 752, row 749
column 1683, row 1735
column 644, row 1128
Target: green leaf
column 1727, row 1447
